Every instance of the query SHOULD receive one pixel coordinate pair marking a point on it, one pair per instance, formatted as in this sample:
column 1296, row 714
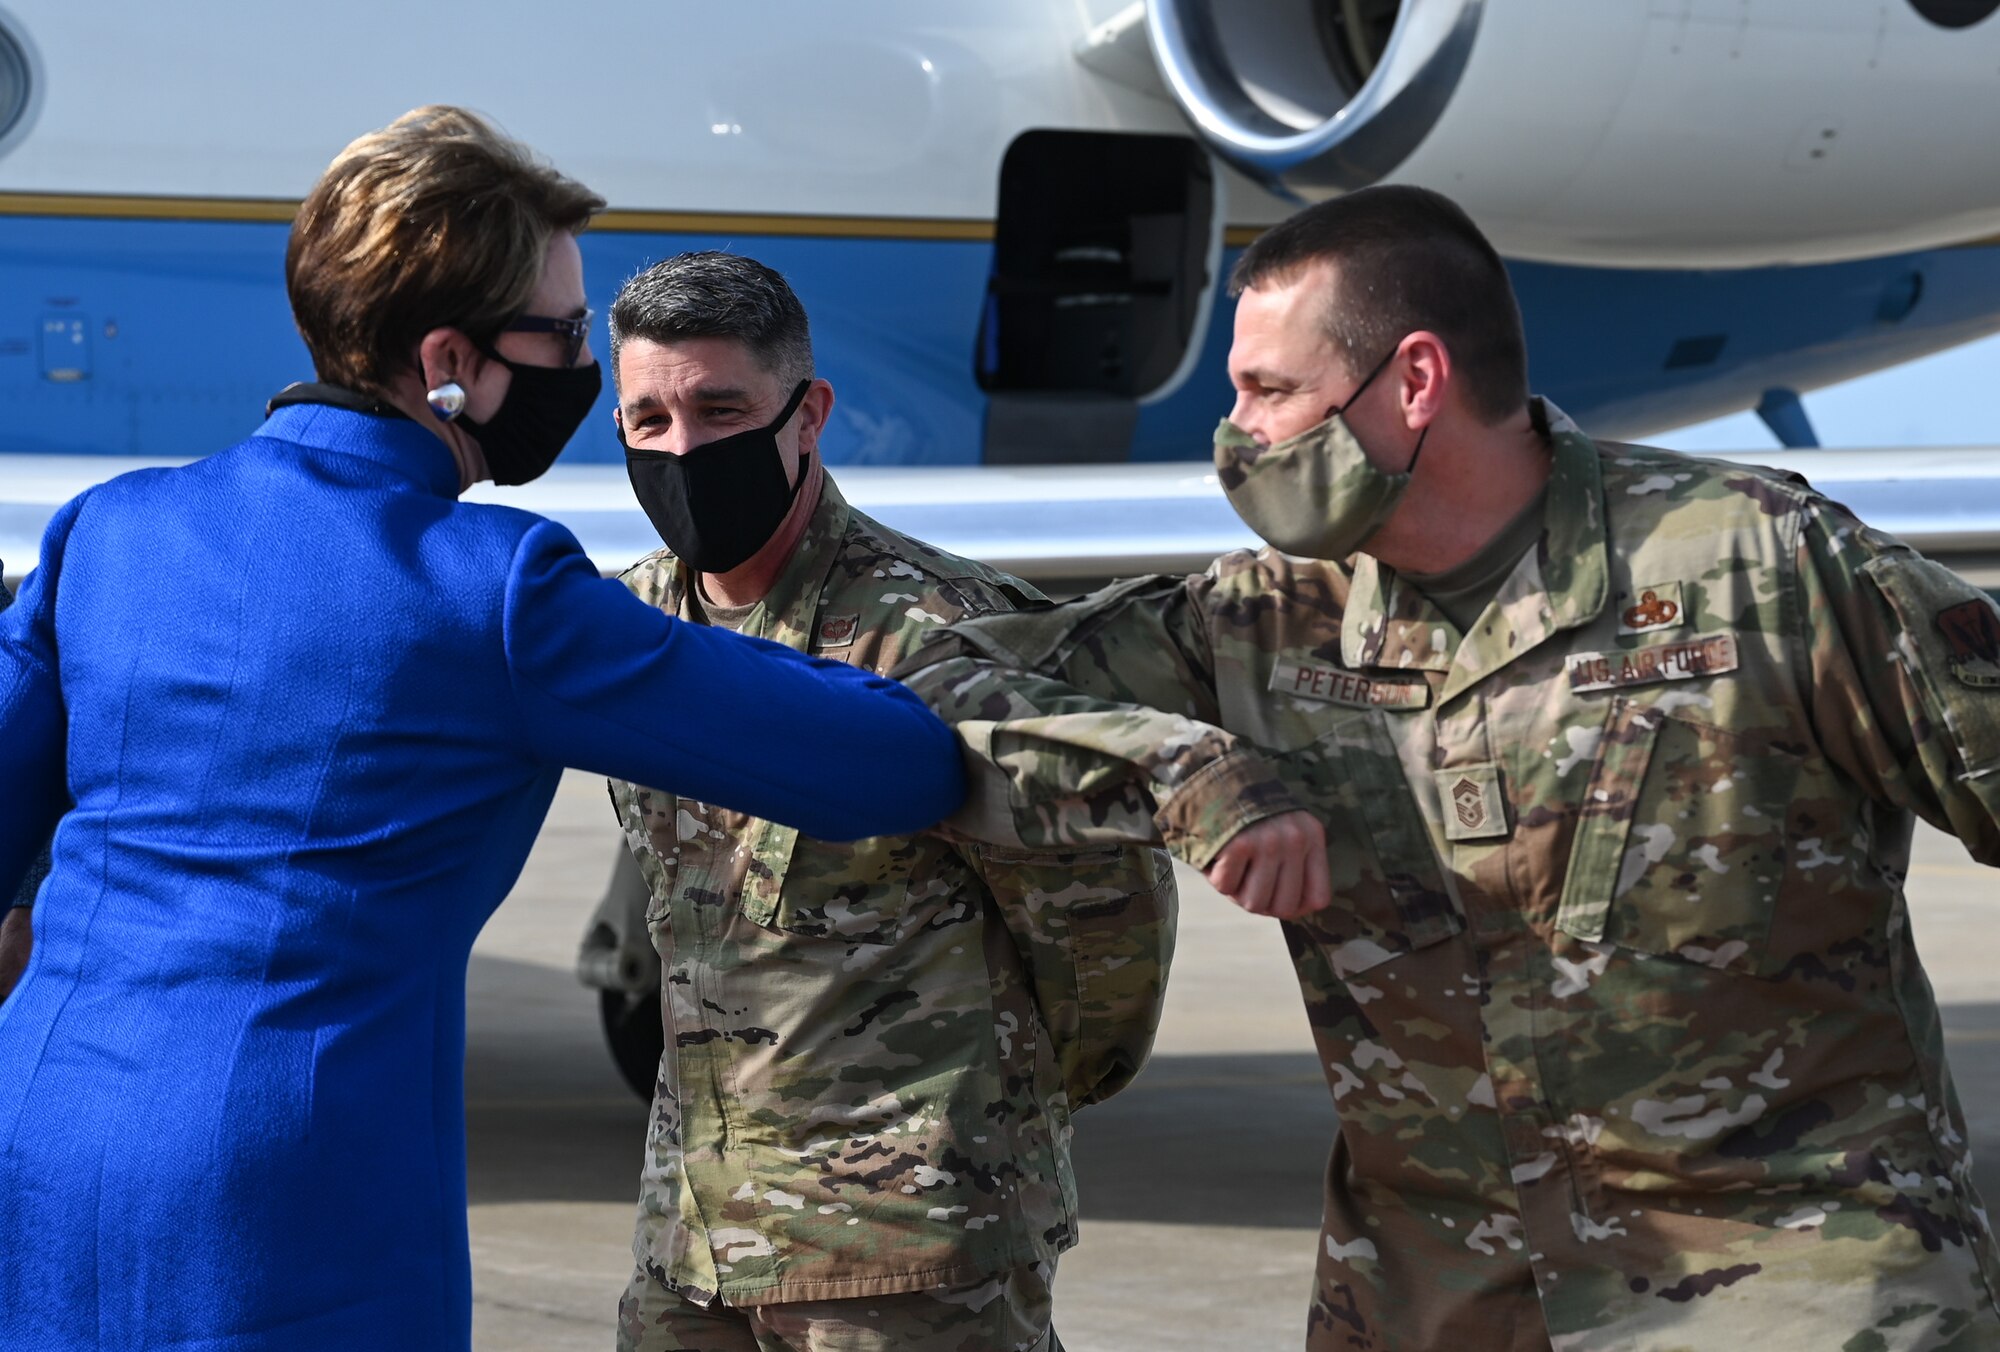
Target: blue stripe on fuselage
column 164, row 338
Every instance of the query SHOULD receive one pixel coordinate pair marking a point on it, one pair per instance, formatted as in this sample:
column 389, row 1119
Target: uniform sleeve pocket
column 1681, row 845
column 1951, row 646
column 1095, row 934
column 1389, row 895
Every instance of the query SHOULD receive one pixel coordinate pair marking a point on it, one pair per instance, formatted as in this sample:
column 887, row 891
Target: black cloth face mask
column 541, row 411
column 717, row 504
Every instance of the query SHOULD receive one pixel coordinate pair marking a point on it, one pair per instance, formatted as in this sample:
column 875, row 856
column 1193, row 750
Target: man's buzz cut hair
column 712, row 294
column 1408, row 259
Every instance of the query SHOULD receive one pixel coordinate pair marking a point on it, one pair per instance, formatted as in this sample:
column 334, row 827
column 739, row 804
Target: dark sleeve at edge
column 33, row 722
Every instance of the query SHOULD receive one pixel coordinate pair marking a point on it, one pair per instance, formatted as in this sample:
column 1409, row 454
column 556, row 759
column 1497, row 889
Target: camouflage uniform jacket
column 873, row 1049
column 1617, row 998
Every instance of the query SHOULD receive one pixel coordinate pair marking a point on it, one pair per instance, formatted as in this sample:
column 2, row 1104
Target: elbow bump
column 951, row 791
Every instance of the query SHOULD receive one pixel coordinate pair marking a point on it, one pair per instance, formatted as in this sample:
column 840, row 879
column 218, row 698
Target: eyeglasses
column 572, row 331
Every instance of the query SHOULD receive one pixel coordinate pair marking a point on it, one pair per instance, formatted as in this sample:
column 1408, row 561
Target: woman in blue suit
column 300, row 712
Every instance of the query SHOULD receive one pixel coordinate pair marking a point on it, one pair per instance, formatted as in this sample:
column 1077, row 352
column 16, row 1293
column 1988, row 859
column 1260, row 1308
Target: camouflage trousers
column 1006, row 1313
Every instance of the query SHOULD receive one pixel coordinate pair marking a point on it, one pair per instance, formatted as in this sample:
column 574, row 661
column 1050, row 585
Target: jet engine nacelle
column 1637, row 133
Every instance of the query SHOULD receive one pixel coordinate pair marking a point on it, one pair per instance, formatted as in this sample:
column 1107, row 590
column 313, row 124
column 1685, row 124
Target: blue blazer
column 300, row 713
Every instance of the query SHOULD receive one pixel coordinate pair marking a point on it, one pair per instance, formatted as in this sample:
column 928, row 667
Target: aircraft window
column 1100, row 262
column 1955, row 13
column 14, row 84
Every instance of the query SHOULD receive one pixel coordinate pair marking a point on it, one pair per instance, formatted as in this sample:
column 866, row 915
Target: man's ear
column 1424, row 374
column 816, row 408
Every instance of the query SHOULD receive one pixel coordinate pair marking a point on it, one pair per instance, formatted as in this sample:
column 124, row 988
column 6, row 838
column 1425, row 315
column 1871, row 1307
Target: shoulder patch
column 1972, row 642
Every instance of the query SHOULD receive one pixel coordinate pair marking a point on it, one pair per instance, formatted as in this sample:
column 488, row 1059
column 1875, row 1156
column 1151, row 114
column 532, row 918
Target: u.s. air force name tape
column 1709, row 655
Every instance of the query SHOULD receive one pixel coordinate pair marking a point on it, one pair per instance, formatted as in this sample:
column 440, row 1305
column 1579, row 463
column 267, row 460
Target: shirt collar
column 1577, row 568
column 394, row 443
column 1561, row 584
column 791, row 606
column 787, row 612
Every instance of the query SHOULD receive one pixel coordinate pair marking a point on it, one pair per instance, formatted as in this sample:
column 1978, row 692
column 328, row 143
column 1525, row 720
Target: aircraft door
column 1101, row 261
column 65, row 348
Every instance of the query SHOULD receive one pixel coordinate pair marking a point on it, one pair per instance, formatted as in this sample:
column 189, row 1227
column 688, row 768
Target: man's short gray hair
column 716, row 295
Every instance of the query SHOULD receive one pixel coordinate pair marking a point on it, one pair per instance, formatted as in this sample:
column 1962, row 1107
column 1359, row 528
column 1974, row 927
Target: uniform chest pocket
column 1681, row 845
column 1389, row 896
column 652, row 835
column 873, row 891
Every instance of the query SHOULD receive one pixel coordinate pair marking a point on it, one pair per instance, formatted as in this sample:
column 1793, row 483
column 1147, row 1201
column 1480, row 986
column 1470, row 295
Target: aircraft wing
column 1038, row 522
column 1074, row 523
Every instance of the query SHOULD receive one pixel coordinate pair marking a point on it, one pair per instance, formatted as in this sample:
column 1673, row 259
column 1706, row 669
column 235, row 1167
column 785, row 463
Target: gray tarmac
column 1200, row 1184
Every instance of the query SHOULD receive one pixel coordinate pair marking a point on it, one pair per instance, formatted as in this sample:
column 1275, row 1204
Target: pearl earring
column 447, row 400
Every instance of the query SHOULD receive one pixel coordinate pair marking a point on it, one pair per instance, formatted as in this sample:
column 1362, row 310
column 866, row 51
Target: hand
column 16, row 938
column 1276, row 867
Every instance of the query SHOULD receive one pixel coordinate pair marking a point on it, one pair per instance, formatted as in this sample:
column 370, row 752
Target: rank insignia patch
column 1474, row 807
column 1659, row 607
column 838, row 631
column 1972, row 643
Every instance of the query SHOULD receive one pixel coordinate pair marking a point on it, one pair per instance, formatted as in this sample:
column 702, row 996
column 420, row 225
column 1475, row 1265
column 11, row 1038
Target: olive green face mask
column 1315, row 495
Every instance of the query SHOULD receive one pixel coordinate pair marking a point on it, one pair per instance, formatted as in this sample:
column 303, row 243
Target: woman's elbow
column 936, row 774
column 914, row 779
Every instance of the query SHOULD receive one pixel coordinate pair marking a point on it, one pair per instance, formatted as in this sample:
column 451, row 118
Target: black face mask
column 542, row 409
column 718, row 504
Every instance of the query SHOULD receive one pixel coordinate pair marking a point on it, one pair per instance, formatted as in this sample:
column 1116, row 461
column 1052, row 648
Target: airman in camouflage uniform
column 1616, row 995
column 873, row 1049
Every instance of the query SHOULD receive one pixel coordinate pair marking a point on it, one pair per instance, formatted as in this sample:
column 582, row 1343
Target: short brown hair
column 1409, row 259
column 437, row 220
